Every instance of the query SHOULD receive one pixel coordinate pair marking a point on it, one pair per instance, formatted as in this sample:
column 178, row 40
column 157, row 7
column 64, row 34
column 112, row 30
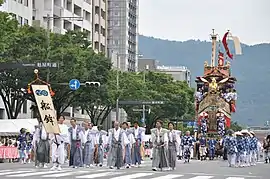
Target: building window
column 20, row 20
column 20, row 1
column 116, row 42
column 116, row 23
column 26, row 3
column 25, row 21
column 96, row 10
column 25, row 107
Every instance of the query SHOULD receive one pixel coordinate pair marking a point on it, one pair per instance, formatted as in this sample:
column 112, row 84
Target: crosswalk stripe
column 202, row 177
column 64, row 174
column 132, row 176
column 35, row 173
column 170, row 176
column 235, row 178
column 10, row 172
column 4, row 171
column 97, row 175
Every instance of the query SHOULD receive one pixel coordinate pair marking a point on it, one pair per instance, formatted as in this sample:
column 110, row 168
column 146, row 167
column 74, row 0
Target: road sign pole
column 143, row 112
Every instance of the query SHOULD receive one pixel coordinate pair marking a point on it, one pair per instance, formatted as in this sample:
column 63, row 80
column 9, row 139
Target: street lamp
column 117, row 81
column 146, row 69
column 48, row 18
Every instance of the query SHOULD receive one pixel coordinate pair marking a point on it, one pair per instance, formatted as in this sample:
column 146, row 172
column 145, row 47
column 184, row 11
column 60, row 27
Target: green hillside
column 251, row 70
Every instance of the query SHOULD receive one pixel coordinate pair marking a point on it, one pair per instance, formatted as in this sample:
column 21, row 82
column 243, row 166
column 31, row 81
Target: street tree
column 73, row 52
column 18, row 44
column 96, row 101
column 178, row 98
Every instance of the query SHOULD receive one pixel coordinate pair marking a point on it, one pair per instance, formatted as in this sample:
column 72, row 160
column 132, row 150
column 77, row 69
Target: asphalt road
column 193, row 170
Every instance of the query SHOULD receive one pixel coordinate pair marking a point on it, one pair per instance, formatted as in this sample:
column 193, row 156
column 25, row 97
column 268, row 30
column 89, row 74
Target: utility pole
column 48, row 37
column 48, row 46
column 144, row 73
column 117, row 87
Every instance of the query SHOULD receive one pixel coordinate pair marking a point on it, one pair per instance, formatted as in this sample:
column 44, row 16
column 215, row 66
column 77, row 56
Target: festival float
column 216, row 93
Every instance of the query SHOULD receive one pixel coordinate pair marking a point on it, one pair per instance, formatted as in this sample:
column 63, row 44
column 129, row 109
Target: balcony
column 97, row 19
column 102, row 39
column 103, row 5
column 96, row 37
column 57, row 11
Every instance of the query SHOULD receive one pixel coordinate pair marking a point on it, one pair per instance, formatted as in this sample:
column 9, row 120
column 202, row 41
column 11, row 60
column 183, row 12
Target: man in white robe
column 76, row 141
column 117, row 142
column 41, row 146
column 58, row 144
column 127, row 158
column 100, row 139
column 89, row 146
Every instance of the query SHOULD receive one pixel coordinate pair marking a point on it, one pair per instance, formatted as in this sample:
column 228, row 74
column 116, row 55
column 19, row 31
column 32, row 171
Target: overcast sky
column 182, row 20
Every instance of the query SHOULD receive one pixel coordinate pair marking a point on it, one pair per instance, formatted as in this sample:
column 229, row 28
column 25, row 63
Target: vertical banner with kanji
column 46, row 108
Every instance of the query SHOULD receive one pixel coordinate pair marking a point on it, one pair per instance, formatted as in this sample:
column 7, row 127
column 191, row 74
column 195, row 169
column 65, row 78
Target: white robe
column 58, row 153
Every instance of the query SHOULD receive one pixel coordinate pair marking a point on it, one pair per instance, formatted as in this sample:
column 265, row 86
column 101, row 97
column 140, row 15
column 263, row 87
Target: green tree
column 73, row 52
column 177, row 95
column 2, row 2
column 28, row 44
column 18, row 44
column 97, row 101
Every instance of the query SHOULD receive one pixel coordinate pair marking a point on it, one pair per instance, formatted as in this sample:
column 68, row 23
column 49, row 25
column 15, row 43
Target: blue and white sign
column 189, row 124
column 142, row 120
column 192, row 124
column 74, row 84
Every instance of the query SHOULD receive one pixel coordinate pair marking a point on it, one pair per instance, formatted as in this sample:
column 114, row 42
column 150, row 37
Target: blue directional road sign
column 74, row 84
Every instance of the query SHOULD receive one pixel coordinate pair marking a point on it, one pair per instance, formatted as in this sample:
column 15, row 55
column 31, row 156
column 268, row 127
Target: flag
column 237, row 45
column 224, row 42
column 220, row 59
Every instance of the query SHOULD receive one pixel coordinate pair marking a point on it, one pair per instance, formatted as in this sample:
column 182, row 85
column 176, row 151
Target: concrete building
column 99, row 22
column 180, row 73
column 84, row 15
column 147, row 62
column 123, row 32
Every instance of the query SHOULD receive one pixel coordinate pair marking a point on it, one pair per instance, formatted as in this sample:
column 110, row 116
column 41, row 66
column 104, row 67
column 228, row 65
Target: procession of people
column 123, row 143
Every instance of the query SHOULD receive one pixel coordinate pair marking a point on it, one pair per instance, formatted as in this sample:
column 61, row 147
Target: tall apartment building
column 123, row 32
column 99, row 21
column 62, row 15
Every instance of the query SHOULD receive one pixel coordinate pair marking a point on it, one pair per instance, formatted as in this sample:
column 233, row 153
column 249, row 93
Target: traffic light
column 92, row 84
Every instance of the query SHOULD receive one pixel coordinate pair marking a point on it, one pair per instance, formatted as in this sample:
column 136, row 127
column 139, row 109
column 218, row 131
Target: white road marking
column 64, row 174
column 97, row 175
column 202, row 177
column 170, row 176
column 10, row 172
column 235, row 178
column 132, row 176
column 35, row 173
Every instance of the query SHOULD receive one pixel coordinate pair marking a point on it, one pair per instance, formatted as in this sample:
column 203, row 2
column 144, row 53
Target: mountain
column 252, row 70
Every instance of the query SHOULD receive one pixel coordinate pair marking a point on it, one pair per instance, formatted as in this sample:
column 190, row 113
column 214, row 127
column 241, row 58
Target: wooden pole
column 214, row 42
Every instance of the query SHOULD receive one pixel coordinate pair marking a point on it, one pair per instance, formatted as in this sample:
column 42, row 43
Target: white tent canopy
column 12, row 126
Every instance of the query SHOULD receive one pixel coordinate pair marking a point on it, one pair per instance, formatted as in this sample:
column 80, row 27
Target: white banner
column 46, row 108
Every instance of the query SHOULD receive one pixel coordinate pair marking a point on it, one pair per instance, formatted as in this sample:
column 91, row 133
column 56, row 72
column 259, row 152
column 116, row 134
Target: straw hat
column 244, row 131
column 253, row 133
column 238, row 133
